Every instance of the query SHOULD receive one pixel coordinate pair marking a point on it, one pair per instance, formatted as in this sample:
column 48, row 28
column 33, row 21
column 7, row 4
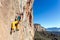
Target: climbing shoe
column 11, row 32
column 17, row 29
column 14, row 31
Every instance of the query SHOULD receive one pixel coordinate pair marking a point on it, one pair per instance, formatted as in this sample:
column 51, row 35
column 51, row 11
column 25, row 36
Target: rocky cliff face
column 38, row 27
column 42, row 34
column 8, row 10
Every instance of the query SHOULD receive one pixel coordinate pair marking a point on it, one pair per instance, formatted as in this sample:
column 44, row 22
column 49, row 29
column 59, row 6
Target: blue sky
column 47, row 13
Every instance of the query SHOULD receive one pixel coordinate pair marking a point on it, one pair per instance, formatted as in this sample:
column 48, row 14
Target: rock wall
column 38, row 27
column 8, row 10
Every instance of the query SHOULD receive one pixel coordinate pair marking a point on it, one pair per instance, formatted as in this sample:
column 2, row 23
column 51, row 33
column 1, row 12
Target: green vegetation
column 45, row 36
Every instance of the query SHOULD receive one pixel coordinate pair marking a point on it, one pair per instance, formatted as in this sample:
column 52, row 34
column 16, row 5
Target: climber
column 15, row 23
column 18, row 18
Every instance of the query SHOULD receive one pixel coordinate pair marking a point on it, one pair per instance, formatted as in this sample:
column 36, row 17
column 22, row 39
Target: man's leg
column 17, row 27
column 11, row 28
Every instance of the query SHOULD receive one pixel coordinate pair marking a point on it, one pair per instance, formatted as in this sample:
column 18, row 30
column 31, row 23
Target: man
column 15, row 23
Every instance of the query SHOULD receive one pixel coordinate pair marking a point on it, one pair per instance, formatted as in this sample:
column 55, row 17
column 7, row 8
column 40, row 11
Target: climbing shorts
column 13, row 25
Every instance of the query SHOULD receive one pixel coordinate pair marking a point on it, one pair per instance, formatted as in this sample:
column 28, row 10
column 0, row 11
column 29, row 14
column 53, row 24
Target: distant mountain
column 42, row 34
column 38, row 27
column 53, row 29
